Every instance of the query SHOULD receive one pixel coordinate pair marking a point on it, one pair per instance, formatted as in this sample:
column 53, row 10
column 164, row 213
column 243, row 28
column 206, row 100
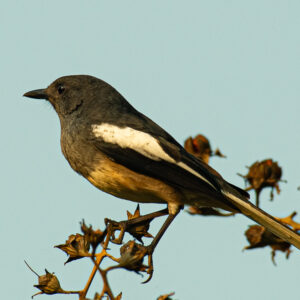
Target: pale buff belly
column 124, row 183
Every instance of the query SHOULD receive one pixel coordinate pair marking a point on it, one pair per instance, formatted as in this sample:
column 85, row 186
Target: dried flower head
column 132, row 256
column 136, row 225
column 200, row 147
column 259, row 237
column 141, row 229
column 49, row 284
column 263, row 174
column 77, row 246
column 94, row 237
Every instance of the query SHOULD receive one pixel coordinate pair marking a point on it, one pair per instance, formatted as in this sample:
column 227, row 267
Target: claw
column 150, row 268
column 114, row 226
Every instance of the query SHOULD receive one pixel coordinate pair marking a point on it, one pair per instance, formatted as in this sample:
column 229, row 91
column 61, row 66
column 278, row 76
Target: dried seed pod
column 94, row 237
column 77, row 246
column 259, row 237
column 135, row 225
column 200, row 147
column 48, row 284
column 132, row 257
column 262, row 174
column 141, row 229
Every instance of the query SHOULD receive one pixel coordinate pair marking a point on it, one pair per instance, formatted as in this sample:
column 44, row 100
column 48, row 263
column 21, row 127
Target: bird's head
column 69, row 94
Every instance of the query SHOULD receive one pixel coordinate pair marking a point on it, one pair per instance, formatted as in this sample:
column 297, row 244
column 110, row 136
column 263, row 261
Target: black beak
column 37, row 94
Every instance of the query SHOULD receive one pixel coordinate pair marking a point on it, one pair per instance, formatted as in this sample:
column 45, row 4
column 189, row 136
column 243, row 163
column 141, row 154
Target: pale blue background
column 228, row 69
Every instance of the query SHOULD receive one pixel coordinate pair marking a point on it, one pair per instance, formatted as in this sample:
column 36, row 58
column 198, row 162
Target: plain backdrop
column 226, row 69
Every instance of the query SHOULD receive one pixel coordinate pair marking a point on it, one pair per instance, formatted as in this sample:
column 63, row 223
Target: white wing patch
column 127, row 137
column 140, row 142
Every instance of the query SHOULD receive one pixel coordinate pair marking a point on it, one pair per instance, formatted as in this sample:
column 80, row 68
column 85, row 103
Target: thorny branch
column 78, row 246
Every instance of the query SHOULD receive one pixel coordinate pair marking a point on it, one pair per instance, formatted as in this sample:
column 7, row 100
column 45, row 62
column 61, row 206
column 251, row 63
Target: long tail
column 260, row 216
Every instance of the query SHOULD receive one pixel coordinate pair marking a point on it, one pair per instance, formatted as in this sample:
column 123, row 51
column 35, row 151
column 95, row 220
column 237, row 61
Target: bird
column 124, row 153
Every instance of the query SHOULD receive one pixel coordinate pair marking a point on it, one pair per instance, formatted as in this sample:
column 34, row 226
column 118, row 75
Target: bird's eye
column 60, row 89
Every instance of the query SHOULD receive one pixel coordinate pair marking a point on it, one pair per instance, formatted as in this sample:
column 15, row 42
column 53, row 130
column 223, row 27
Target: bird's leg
column 161, row 232
column 150, row 249
column 126, row 225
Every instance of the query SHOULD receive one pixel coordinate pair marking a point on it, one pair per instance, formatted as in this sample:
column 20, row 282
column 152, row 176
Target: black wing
column 185, row 171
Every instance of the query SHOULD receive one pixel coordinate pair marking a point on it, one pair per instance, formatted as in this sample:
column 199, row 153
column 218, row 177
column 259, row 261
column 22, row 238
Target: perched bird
column 124, row 153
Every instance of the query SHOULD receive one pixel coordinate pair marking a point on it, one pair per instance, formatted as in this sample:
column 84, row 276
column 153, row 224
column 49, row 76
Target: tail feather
column 263, row 218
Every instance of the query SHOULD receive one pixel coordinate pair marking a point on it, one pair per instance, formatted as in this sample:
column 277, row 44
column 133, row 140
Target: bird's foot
column 113, row 226
column 132, row 253
column 136, row 225
column 150, row 268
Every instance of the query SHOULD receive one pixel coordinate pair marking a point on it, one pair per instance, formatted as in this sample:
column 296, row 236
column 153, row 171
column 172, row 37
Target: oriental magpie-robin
column 124, row 153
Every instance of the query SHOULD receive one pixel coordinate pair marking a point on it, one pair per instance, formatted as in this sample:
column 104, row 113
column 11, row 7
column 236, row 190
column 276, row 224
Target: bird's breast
column 112, row 177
